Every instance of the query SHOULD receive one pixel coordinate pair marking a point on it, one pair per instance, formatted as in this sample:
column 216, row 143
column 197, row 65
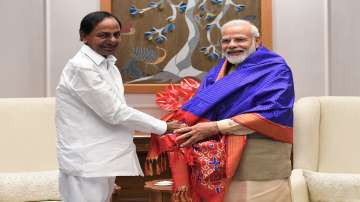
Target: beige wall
column 299, row 34
column 317, row 38
column 344, row 53
column 22, row 34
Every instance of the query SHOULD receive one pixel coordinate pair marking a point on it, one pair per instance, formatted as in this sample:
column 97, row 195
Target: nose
column 114, row 39
column 232, row 43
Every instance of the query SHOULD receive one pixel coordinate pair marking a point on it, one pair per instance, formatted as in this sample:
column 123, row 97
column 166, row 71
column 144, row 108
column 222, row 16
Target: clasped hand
column 190, row 135
column 173, row 125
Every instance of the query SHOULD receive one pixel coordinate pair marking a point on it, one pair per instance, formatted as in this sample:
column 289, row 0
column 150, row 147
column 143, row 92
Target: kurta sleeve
column 230, row 127
column 100, row 96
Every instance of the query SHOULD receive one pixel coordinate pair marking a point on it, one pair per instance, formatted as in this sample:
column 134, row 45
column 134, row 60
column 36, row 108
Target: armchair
column 28, row 167
column 326, row 148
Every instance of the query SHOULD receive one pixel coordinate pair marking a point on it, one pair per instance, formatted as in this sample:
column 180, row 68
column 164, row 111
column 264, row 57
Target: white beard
column 240, row 58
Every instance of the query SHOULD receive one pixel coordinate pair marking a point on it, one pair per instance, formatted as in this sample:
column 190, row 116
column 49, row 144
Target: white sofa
column 28, row 166
column 326, row 150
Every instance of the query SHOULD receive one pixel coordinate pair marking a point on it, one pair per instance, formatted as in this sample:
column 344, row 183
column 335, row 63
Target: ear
column 257, row 41
column 82, row 36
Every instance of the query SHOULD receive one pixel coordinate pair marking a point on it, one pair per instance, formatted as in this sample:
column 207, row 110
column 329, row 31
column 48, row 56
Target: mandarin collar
column 96, row 57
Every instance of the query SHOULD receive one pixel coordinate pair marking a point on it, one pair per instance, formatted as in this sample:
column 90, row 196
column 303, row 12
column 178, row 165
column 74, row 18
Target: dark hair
column 89, row 22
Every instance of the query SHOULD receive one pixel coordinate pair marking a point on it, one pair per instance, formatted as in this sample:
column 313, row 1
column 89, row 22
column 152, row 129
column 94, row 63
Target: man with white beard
column 248, row 96
column 236, row 45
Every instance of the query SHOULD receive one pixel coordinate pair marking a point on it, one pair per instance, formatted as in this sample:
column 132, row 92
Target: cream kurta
column 94, row 125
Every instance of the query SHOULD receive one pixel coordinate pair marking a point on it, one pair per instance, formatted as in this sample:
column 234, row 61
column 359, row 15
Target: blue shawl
column 262, row 84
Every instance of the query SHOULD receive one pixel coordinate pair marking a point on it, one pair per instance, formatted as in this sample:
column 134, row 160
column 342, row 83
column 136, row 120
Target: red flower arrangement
column 174, row 96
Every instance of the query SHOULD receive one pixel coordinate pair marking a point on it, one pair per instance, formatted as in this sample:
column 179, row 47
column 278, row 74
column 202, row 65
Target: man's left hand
column 191, row 135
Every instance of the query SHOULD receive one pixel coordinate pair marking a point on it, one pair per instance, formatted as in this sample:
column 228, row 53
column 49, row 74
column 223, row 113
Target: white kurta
column 94, row 125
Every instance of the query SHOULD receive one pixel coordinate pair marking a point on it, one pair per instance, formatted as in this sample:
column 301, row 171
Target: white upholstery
column 332, row 186
column 27, row 148
column 326, row 139
column 29, row 186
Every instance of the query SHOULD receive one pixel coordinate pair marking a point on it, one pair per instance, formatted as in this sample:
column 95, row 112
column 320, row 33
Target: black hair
column 89, row 22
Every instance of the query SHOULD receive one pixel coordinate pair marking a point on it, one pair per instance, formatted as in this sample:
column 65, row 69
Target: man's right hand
column 173, row 125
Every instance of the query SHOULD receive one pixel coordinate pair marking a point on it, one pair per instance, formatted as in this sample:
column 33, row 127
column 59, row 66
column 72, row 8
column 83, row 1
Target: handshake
column 189, row 135
column 173, row 125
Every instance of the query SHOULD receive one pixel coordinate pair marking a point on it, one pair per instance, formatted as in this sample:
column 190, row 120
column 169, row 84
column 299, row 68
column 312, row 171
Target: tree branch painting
column 164, row 41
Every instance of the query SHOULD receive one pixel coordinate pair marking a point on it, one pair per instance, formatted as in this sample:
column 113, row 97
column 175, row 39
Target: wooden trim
column 266, row 37
column 105, row 5
column 266, row 23
column 144, row 88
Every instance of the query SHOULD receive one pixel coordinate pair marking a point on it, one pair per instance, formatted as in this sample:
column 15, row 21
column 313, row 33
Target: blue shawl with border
column 261, row 84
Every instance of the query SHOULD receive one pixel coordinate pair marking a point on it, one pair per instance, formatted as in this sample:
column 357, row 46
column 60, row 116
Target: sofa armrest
column 299, row 190
column 29, row 186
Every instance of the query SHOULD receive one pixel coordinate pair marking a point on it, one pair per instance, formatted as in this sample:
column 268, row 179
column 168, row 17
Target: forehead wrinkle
column 107, row 24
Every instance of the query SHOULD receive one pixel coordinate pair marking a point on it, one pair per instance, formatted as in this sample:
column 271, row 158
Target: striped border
column 266, row 127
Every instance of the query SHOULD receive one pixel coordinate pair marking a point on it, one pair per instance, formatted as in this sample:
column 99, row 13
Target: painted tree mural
column 178, row 38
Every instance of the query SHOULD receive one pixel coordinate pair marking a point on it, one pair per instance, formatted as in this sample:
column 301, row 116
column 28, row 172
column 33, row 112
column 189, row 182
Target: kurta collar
column 95, row 57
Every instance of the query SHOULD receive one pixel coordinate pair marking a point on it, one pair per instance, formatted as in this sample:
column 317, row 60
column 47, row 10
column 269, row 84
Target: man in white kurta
column 93, row 122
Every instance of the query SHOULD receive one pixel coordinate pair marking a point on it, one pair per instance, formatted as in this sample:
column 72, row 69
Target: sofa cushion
column 29, row 186
column 28, row 133
column 333, row 187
